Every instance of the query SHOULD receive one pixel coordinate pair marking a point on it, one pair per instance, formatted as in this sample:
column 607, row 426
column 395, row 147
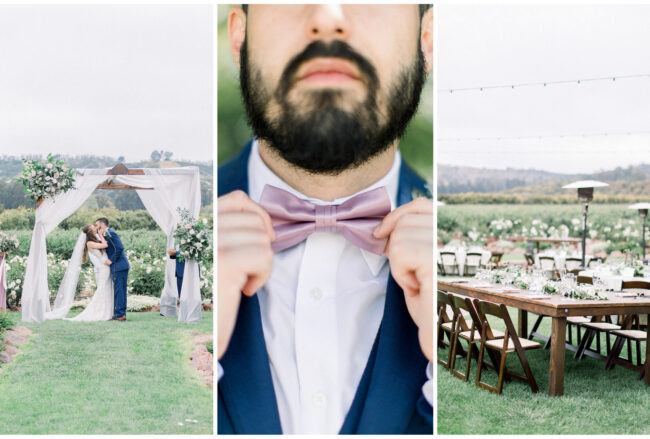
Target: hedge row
column 23, row 219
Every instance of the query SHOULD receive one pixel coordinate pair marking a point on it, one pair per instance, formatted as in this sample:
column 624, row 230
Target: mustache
column 334, row 49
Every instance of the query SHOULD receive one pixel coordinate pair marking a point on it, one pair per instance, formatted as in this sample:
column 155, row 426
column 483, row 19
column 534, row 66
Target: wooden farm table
column 558, row 308
column 554, row 241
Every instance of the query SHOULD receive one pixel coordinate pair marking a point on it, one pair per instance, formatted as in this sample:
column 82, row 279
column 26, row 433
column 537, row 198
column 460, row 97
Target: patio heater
column 643, row 213
column 585, row 195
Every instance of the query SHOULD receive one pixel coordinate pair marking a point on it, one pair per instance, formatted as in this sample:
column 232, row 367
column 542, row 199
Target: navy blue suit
column 180, row 270
column 119, row 271
column 389, row 397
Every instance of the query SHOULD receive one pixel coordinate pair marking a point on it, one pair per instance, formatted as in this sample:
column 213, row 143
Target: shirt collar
column 259, row 174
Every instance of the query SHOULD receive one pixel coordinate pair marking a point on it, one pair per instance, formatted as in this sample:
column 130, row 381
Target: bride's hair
column 90, row 236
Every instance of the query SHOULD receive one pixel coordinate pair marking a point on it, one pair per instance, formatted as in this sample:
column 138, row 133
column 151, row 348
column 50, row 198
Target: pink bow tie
column 295, row 219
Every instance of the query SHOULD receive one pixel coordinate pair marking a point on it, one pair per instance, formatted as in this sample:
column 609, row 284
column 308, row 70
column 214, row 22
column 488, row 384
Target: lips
column 328, row 70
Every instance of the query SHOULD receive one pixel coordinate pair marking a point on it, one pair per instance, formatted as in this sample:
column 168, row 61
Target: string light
column 543, row 84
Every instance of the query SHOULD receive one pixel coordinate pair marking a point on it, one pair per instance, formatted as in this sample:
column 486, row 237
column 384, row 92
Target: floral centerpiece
column 584, row 292
column 8, row 243
column 46, row 179
column 192, row 237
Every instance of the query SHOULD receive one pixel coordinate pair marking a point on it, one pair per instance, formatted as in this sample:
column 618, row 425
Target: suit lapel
column 391, row 384
column 246, row 387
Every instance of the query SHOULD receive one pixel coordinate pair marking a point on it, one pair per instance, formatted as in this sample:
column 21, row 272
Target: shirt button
column 319, row 399
column 316, row 293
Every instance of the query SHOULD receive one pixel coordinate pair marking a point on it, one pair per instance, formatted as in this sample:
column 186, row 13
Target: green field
column 130, row 377
column 595, row 401
column 614, row 225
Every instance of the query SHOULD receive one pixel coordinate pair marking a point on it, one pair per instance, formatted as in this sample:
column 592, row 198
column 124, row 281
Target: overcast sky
column 508, row 44
column 116, row 80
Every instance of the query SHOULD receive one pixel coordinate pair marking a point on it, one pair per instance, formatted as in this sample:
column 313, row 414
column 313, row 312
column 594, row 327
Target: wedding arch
column 162, row 191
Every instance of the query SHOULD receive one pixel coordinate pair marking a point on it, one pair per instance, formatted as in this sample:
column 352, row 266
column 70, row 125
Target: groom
column 119, row 267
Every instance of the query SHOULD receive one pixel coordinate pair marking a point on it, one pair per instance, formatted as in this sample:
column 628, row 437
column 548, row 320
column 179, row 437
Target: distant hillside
column 12, row 196
column 632, row 180
column 459, row 179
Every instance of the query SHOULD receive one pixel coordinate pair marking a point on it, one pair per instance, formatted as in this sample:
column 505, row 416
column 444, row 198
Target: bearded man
column 325, row 260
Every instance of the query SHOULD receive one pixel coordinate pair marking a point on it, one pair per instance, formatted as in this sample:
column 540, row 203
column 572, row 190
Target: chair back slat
column 586, row 280
column 636, row 284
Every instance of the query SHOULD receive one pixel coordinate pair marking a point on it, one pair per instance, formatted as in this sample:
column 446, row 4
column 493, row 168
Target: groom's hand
column 108, row 262
column 245, row 257
column 409, row 229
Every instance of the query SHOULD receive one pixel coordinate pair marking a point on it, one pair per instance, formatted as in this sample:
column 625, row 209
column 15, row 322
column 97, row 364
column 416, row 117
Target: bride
column 101, row 305
column 90, row 245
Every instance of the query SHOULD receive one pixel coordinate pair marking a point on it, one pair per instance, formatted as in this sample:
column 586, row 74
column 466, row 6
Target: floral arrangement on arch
column 192, row 237
column 46, row 179
column 8, row 243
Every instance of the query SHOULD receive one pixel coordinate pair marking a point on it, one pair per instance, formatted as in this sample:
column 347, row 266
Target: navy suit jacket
column 389, row 397
column 115, row 252
column 180, row 266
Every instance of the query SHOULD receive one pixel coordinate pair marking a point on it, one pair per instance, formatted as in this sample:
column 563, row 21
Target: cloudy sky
column 108, row 80
column 511, row 44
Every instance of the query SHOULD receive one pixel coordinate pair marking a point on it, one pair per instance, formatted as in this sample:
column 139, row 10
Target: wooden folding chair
column 573, row 264
column 445, row 325
column 472, row 263
column 471, row 334
column 510, row 343
column 629, row 335
column 630, row 332
column 449, row 262
column 595, row 261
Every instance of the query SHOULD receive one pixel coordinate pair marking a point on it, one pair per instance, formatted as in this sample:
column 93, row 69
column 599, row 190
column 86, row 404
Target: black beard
column 326, row 139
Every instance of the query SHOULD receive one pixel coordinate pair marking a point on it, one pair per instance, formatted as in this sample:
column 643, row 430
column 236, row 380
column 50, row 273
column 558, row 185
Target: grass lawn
column 595, row 401
column 130, row 377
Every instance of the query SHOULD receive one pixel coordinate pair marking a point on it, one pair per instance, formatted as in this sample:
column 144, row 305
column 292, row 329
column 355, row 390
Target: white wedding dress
column 101, row 305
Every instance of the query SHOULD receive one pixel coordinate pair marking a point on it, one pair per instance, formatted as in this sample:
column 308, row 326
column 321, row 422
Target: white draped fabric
column 172, row 188
column 68, row 287
column 35, row 301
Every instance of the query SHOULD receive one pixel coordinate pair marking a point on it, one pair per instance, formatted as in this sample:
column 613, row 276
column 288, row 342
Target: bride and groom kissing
column 105, row 250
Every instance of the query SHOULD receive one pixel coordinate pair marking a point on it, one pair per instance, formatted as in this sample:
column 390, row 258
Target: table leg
column 558, row 349
column 647, row 356
column 523, row 323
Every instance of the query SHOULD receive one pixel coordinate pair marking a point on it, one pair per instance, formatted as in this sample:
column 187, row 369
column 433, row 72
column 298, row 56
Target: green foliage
column 147, row 274
column 616, row 225
column 534, row 198
column 12, row 194
column 17, row 219
column 6, row 322
column 209, row 346
column 46, row 179
column 23, row 219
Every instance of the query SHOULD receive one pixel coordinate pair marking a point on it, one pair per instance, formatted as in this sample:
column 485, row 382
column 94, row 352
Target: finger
column 243, row 237
column 238, row 201
column 235, row 220
column 419, row 205
column 416, row 220
column 410, row 236
column 254, row 261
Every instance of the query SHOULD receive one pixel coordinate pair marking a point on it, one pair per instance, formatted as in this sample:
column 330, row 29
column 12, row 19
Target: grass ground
column 595, row 401
column 130, row 377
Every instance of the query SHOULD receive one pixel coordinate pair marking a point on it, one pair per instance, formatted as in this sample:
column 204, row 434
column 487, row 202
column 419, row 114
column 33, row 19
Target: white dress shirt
column 321, row 310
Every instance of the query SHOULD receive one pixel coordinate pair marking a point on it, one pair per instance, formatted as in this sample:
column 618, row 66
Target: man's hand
column 108, row 262
column 409, row 229
column 245, row 257
column 171, row 252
